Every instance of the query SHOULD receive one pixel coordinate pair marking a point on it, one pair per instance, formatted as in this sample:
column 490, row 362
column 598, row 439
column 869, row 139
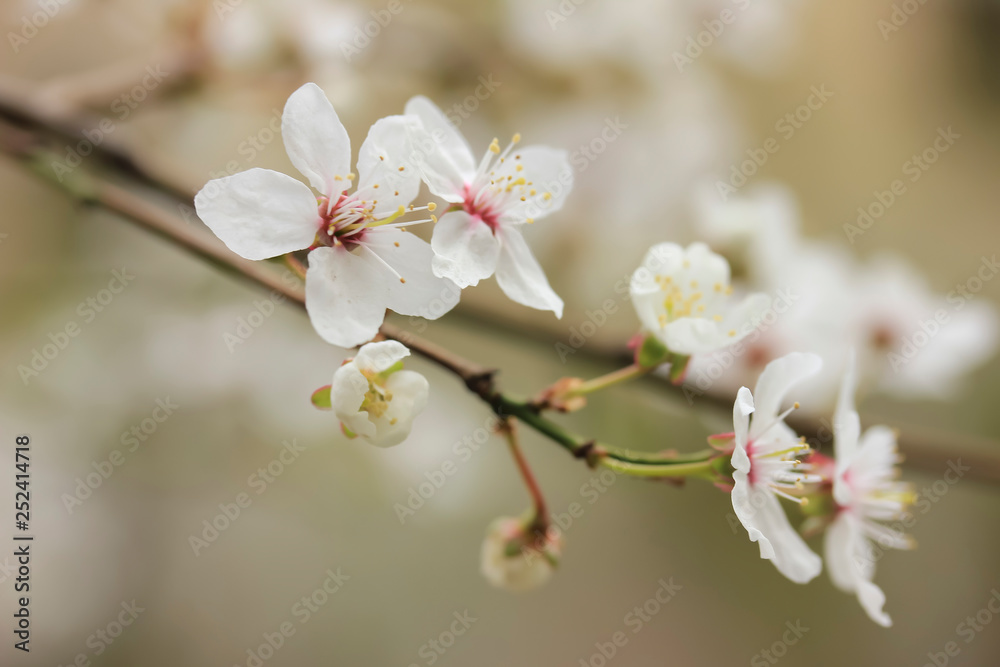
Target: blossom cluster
column 352, row 230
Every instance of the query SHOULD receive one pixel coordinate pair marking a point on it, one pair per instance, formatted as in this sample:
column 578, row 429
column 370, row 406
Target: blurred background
column 769, row 128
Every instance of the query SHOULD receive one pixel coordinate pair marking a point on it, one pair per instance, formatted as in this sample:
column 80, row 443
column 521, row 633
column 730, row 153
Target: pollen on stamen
column 375, row 186
column 431, row 206
column 732, row 333
column 402, row 280
column 495, row 146
column 395, row 243
column 717, row 318
column 402, row 168
column 434, row 218
column 796, row 405
column 516, row 138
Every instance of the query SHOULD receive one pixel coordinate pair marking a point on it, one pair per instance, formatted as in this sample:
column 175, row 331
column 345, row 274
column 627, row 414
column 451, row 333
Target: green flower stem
column 604, row 381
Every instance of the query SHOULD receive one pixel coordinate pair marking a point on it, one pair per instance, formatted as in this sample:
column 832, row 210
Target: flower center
column 687, row 298
column 499, row 186
column 346, row 221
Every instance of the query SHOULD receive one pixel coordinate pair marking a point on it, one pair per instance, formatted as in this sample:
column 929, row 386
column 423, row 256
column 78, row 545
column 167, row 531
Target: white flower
column 682, row 297
column 376, row 400
column 765, row 467
column 491, row 201
column 362, row 262
column 514, row 558
column 866, row 492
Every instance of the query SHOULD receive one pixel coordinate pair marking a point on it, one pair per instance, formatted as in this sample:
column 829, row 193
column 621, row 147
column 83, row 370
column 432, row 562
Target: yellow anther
column 531, row 221
column 717, row 318
column 796, row 405
column 732, row 332
column 547, row 196
column 402, row 280
column 402, row 168
column 495, row 146
column 434, row 218
column 431, row 206
column 516, row 138
column 519, row 167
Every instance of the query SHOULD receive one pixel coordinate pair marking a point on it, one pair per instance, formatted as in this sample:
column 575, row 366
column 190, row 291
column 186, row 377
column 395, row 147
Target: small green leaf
column 678, row 366
column 321, row 398
column 652, row 353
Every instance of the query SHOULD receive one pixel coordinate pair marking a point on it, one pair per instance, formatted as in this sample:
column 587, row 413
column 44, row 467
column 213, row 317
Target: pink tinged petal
column 259, row 213
column 315, row 139
column 551, row 177
column 776, row 380
column 346, row 296
column 465, row 249
column 762, row 515
column 423, row 294
column 381, row 356
column 520, row 276
column 385, row 173
column 446, row 161
column 347, row 393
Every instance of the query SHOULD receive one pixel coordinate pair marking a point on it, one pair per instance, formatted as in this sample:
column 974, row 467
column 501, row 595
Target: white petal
column 761, row 514
column 851, row 569
column 742, row 410
column 551, row 177
column 315, row 139
column 385, row 151
column 423, row 294
column 694, row 335
column 381, row 356
column 846, row 423
column 409, row 397
column 520, row 276
column 346, row 296
column 465, row 249
column 774, row 382
column 705, row 266
column 446, row 160
column 347, row 393
column 259, row 213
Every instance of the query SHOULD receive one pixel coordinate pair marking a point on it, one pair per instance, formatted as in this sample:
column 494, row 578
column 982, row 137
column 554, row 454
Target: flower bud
column 517, row 556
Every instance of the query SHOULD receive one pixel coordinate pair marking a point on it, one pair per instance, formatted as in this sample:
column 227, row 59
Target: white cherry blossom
column 683, row 297
column 361, row 262
column 376, row 400
column 867, row 492
column 766, row 467
column 480, row 234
